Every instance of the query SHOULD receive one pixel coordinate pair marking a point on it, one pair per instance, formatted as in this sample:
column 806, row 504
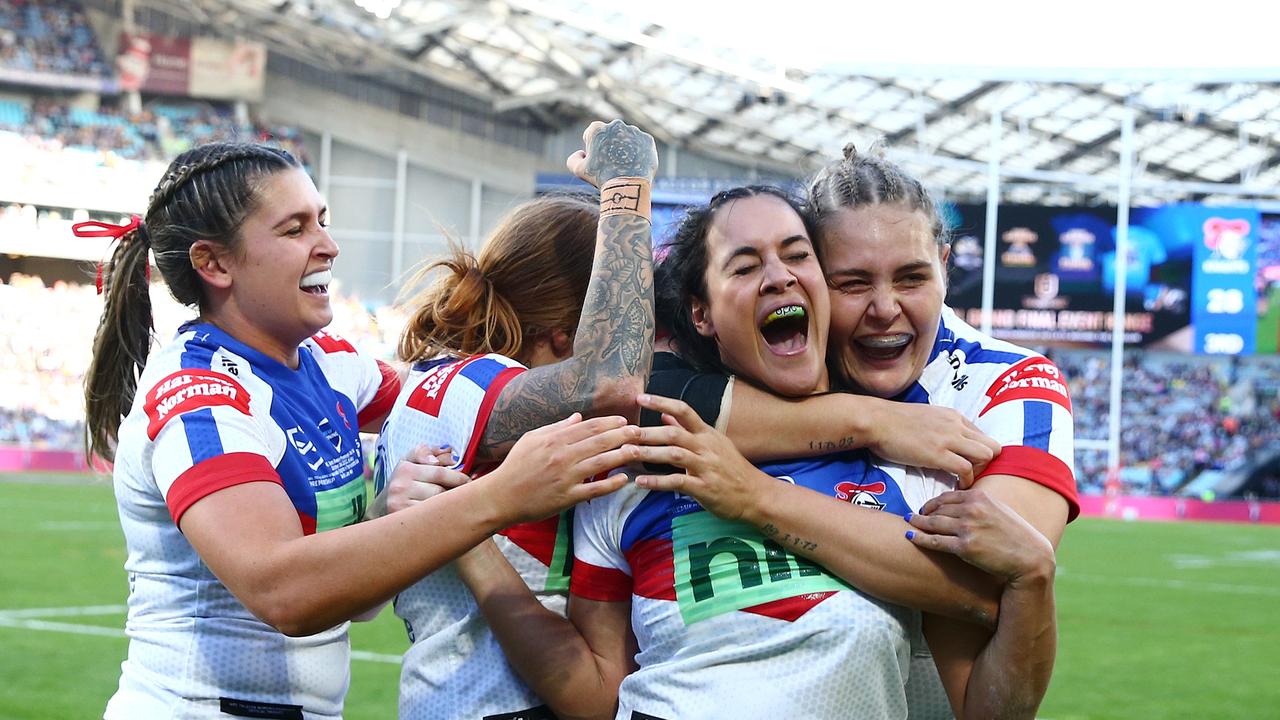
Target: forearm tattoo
column 786, row 539
column 614, row 340
column 845, row 443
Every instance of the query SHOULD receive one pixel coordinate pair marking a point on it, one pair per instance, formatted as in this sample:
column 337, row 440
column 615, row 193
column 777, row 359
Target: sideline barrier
column 1127, row 507
column 16, row 458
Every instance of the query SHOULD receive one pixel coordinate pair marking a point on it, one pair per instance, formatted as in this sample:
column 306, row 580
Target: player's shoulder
column 193, row 372
column 325, row 343
column 976, row 347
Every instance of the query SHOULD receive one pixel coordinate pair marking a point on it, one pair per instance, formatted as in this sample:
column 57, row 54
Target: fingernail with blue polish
column 907, row 517
column 911, row 534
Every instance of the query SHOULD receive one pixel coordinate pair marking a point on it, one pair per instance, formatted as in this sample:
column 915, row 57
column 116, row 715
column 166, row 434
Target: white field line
column 47, row 626
column 63, row 611
column 1171, row 584
column 27, row 619
column 63, row 525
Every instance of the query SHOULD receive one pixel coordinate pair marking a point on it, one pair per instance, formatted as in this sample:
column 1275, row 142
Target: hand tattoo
column 620, row 150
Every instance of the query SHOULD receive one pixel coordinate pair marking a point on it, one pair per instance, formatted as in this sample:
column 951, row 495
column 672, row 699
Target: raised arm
column 613, row 345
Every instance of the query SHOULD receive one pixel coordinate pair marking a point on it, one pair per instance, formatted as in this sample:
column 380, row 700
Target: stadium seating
column 43, row 372
column 1186, row 419
column 49, row 36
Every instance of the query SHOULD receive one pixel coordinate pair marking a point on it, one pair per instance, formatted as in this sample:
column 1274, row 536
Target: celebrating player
column 238, row 472
column 564, row 289
column 885, row 251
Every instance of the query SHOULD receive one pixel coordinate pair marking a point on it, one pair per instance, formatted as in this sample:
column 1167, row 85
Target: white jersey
column 210, row 413
column 455, row 667
column 1020, row 399
column 731, row 624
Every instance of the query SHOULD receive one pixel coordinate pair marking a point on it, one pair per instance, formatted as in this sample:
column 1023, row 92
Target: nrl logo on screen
column 1046, row 294
column 1228, row 240
column 1019, row 254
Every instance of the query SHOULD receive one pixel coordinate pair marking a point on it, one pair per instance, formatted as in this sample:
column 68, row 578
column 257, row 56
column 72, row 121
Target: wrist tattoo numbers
column 786, row 538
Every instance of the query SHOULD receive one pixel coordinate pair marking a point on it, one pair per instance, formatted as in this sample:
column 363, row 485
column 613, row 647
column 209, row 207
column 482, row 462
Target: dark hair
column 529, row 279
column 863, row 179
column 682, row 274
column 207, row 194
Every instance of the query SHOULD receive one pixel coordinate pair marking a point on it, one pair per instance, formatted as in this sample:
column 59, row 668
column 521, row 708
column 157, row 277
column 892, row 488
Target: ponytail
column 121, row 344
column 528, row 280
column 461, row 312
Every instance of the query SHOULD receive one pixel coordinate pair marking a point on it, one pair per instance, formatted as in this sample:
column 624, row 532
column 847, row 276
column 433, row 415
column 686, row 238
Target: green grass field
column 1156, row 620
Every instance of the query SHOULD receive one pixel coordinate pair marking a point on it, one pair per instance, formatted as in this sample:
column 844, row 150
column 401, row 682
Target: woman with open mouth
column 676, row 607
column 884, row 250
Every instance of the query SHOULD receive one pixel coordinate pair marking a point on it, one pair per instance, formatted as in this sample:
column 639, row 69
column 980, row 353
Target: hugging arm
column 1002, row 675
column 867, row 548
column 913, row 434
column 574, row 665
column 613, row 345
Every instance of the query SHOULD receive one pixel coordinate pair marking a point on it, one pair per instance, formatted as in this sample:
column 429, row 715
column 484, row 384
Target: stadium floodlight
column 378, row 8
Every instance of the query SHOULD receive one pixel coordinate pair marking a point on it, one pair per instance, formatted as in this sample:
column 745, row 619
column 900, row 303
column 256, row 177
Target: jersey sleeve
column 450, row 404
column 204, row 437
column 371, row 384
column 1027, row 409
column 600, row 571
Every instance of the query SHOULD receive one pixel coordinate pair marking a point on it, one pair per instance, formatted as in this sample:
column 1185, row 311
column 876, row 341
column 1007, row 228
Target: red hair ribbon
column 94, row 228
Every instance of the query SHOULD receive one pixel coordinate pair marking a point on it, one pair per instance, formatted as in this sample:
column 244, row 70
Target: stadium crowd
column 162, row 130
column 1182, row 416
column 43, row 371
column 49, row 36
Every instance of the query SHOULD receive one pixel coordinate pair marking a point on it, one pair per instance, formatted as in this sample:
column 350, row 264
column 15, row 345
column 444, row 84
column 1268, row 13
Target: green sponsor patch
column 562, row 557
column 723, row 566
column 341, row 506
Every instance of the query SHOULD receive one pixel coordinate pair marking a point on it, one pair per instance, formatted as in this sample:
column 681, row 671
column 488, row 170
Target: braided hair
column 859, row 180
column 206, row 194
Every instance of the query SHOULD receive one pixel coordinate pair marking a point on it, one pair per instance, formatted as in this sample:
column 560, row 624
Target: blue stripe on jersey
column 203, row 439
column 974, row 354
column 1037, row 424
column 202, row 434
column 425, row 365
column 649, row 521
column 482, row 371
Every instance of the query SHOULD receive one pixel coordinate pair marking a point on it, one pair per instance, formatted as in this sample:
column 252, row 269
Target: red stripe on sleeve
column 1040, row 467
column 217, row 473
column 376, row 411
column 591, row 582
column 653, row 567
column 482, row 415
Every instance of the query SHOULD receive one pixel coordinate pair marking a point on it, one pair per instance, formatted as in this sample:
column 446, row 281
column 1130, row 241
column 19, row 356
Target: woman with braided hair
column 238, row 470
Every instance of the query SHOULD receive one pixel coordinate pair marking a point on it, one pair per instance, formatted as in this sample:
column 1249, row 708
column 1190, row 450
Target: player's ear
column 701, row 314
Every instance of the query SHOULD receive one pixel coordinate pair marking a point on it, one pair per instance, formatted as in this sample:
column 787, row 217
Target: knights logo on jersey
column 862, row 494
column 329, row 432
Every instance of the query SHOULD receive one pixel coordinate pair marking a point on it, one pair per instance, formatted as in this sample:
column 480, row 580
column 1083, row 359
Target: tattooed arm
column 613, row 345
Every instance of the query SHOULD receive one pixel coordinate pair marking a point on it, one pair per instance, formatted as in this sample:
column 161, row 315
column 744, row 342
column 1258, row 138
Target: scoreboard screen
column 1193, row 282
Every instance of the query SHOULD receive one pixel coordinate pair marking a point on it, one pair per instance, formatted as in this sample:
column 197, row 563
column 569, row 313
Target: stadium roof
column 1195, row 138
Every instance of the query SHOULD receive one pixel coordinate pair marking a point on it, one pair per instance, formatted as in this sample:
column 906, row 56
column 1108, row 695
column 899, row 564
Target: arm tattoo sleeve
column 614, row 341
